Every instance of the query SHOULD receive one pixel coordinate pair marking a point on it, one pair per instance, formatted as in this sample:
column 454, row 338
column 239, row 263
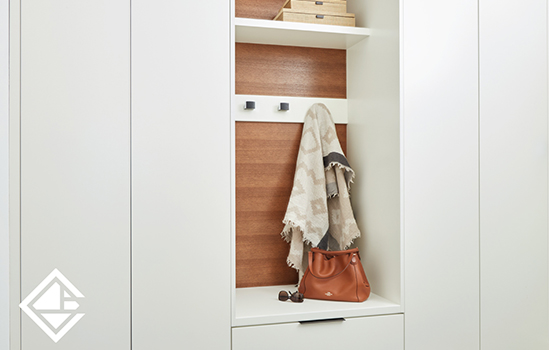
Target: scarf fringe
column 289, row 226
column 343, row 167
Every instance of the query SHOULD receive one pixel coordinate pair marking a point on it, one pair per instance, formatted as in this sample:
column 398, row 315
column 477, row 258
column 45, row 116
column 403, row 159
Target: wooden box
column 331, row 7
column 332, row 12
column 292, row 16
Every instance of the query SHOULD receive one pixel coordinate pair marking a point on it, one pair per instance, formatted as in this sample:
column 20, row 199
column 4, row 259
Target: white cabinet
column 180, row 175
column 4, row 176
column 475, row 116
column 126, row 135
column 375, row 333
column 441, row 219
column 75, row 167
column 513, row 175
column 372, row 112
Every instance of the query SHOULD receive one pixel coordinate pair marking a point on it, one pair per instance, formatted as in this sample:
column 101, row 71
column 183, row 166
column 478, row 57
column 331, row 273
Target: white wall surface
column 4, row 225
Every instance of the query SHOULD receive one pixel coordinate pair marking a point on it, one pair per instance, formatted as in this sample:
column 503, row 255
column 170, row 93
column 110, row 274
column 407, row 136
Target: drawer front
column 318, row 7
column 289, row 16
column 372, row 333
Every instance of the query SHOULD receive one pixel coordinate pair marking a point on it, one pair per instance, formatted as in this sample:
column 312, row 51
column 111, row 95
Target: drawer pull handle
column 319, row 3
column 323, row 320
column 320, row 16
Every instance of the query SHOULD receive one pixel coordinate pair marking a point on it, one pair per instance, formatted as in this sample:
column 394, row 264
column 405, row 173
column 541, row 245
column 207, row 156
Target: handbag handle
column 337, row 252
column 351, row 254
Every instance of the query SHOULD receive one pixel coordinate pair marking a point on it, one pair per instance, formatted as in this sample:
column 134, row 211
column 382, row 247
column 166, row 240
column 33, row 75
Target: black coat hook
column 284, row 106
column 249, row 105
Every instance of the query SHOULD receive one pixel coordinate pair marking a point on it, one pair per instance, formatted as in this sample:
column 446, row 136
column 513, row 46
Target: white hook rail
column 266, row 108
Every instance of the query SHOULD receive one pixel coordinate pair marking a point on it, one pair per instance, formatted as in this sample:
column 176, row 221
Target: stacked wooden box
column 320, row 12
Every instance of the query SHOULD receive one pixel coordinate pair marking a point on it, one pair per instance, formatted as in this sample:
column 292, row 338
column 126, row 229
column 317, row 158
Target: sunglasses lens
column 283, row 296
column 297, row 297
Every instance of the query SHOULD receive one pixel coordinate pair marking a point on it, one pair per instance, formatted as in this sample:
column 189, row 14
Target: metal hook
column 249, row 105
column 284, row 106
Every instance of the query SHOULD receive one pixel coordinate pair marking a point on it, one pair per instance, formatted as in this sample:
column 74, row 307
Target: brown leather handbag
column 335, row 275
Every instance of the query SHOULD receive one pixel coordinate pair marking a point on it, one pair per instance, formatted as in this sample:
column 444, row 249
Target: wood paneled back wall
column 290, row 71
column 266, row 153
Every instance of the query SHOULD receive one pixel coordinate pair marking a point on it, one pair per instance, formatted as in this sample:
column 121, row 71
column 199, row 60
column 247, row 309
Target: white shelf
column 260, row 305
column 258, row 31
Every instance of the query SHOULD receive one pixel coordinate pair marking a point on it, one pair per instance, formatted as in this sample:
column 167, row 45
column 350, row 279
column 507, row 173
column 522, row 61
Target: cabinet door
column 513, row 175
column 75, row 172
column 4, row 176
column 181, row 174
column 441, row 226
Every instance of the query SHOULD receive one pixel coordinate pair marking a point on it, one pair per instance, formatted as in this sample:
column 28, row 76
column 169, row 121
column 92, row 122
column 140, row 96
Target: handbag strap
column 340, row 272
column 335, row 252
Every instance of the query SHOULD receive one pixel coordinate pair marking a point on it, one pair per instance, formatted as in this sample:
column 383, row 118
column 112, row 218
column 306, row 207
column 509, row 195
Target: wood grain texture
column 266, row 155
column 259, row 9
column 275, row 70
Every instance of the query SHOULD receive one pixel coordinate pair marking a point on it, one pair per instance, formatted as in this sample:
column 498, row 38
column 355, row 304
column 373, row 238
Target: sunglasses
column 295, row 297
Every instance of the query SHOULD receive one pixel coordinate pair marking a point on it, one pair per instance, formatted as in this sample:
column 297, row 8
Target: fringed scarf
column 319, row 208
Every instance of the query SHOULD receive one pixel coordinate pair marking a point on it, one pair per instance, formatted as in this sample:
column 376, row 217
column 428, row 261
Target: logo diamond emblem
column 53, row 305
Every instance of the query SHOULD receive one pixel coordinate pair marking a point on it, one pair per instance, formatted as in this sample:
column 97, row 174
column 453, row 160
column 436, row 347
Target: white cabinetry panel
column 373, row 144
column 373, row 333
column 440, row 112
column 181, row 175
column 75, row 164
column 4, row 176
column 513, row 175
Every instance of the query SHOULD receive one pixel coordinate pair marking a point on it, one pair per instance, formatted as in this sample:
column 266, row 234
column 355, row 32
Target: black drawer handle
column 323, row 320
column 320, row 16
column 319, row 3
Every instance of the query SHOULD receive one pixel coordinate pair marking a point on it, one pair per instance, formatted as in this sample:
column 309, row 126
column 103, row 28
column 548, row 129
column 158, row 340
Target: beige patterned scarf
column 319, row 209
